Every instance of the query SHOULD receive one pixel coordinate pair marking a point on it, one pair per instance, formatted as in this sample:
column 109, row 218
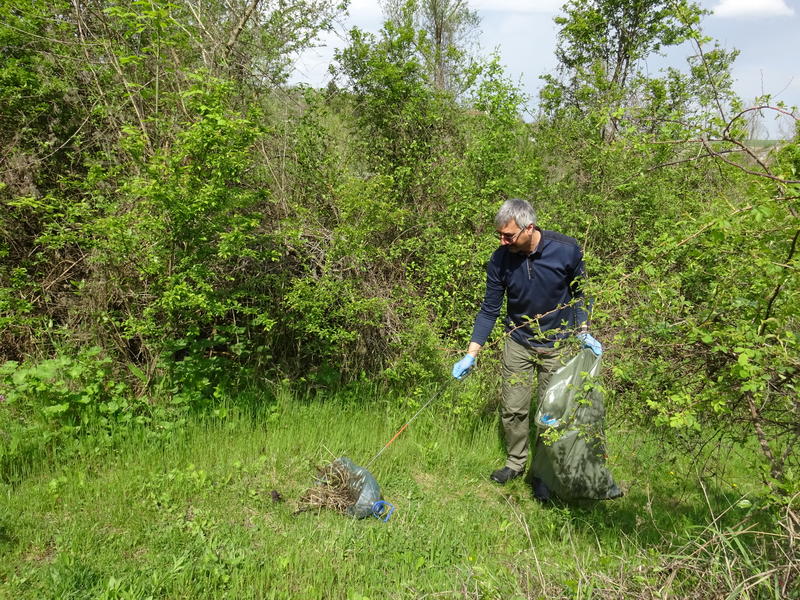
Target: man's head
column 515, row 223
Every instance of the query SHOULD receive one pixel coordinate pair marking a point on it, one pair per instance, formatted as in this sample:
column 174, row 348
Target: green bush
column 48, row 403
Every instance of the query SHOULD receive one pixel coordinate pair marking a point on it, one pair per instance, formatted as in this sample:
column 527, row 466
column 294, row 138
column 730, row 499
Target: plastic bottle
column 363, row 483
column 553, row 404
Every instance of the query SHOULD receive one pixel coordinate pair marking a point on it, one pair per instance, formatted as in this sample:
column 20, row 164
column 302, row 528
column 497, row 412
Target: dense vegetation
column 178, row 224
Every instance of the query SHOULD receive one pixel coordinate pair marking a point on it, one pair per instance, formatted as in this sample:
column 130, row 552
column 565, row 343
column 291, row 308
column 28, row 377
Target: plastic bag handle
column 379, row 508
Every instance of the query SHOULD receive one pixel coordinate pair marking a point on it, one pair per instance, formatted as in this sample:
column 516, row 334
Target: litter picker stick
column 403, row 428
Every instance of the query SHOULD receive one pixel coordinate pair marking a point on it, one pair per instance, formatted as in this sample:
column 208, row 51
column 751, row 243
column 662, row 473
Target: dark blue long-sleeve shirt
column 545, row 282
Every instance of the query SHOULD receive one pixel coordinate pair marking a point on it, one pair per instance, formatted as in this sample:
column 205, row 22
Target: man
column 540, row 273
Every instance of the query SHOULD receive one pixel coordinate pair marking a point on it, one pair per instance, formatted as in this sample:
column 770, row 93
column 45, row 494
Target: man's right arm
column 490, row 307
column 484, row 322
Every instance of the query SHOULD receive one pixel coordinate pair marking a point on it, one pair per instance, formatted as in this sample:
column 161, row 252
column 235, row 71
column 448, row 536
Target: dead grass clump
column 334, row 489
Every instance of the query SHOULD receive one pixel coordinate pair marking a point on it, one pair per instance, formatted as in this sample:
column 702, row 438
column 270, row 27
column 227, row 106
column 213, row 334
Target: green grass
column 192, row 515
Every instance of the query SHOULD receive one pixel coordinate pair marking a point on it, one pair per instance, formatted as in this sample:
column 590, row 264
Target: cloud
column 733, row 9
column 365, row 8
column 365, row 13
column 517, row 6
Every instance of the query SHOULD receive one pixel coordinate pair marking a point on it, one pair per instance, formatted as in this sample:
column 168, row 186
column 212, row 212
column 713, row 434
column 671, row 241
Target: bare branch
column 775, row 470
column 240, row 26
column 778, row 287
column 755, row 108
column 710, row 76
column 767, row 175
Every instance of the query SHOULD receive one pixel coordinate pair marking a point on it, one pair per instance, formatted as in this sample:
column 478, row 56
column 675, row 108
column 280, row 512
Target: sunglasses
column 509, row 237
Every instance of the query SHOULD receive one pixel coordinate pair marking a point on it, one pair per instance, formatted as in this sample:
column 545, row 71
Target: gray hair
column 517, row 210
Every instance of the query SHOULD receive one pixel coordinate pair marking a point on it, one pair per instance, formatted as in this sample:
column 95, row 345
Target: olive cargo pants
column 518, row 366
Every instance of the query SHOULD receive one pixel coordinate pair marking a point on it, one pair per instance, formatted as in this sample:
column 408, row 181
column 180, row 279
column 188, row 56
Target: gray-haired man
column 539, row 272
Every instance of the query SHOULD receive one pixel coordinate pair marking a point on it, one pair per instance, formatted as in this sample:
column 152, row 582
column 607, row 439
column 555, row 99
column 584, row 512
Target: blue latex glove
column 462, row 368
column 587, row 341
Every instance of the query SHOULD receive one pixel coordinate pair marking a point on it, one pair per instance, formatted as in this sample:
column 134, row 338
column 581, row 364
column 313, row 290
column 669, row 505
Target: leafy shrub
column 47, row 403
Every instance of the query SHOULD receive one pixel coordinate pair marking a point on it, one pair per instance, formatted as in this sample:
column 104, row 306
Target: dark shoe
column 540, row 490
column 505, row 475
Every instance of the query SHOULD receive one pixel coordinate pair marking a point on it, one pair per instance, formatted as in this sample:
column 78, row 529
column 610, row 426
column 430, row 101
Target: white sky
column 766, row 32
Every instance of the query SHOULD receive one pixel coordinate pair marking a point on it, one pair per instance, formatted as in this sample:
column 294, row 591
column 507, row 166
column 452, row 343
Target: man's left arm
column 582, row 306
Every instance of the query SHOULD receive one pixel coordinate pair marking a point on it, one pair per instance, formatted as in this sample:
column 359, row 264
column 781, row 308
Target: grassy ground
column 196, row 515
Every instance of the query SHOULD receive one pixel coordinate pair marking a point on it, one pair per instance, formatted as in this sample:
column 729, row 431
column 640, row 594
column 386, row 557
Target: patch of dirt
column 42, row 554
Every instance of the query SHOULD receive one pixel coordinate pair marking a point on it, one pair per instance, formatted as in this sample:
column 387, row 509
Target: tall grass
column 209, row 512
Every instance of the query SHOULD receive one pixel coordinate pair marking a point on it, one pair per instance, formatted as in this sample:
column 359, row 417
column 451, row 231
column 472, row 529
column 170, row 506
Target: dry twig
column 335, row 490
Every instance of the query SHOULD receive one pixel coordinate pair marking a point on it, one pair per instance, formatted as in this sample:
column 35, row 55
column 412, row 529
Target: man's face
column 515, row 237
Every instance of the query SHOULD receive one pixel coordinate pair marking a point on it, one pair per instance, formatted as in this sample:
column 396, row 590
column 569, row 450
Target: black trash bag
column 570, row 455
